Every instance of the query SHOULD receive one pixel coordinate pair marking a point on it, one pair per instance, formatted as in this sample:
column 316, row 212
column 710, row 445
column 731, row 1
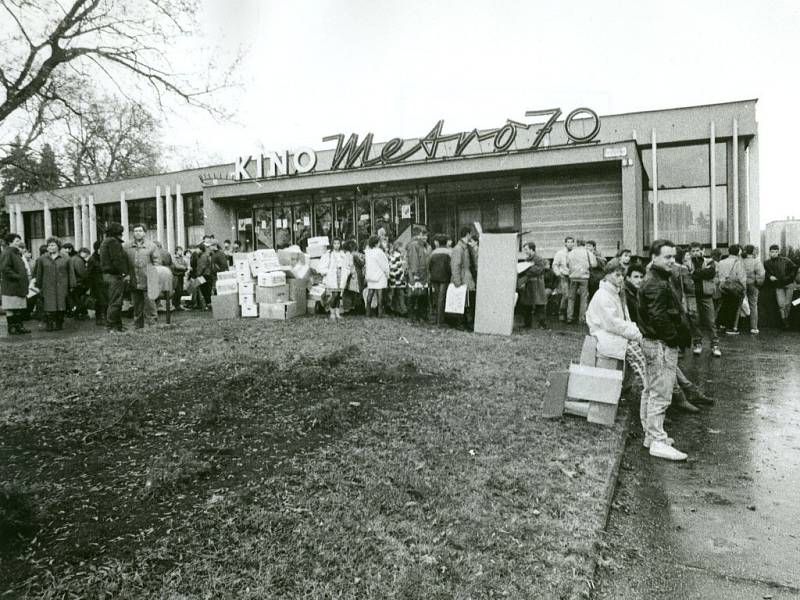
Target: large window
column 107, row 213
column 144, row 212
column 684, row 193
column 63, row 222
column 34, row 225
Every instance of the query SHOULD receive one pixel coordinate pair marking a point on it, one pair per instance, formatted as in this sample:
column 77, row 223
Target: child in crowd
column 336, row 267
column 397, row 280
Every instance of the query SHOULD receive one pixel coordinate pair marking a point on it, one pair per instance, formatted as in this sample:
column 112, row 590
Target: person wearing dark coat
column 439, row 270
column 530, row 283
column 78, row 283
column 14, row 284
column 115, row 268
column 52, row 276
column 94, row 281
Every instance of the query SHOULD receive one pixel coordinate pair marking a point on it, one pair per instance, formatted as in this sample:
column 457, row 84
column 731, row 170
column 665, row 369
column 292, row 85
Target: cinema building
column 688, row 174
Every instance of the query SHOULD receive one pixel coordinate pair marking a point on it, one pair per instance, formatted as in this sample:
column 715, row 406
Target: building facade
column 688, row 174
column 785, row 233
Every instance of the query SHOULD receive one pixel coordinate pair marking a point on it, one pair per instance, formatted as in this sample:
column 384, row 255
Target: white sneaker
column 646, row 443
column 754, row 331
column 716, row 351
column 698, row 349
column 662, row 450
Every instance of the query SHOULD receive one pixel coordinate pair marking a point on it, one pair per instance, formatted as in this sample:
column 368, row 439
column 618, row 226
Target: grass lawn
column 299, row 459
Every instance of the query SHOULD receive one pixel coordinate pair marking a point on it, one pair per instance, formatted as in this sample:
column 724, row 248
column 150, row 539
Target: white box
column 246, row 299
column 316, row 250
column 249, row 310
column 279, row 311
column 241, row 266
column 321, row 240
column 226, row 276
column 271, row 278
column 265, row 254
column 594, row 384
column 246, row 288
column 244, row 277
column 227, row 287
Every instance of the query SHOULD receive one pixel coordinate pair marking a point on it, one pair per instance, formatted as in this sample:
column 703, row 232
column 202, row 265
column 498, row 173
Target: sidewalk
column 726, row 524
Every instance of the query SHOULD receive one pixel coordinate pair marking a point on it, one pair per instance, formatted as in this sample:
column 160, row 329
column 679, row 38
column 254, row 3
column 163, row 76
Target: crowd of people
column 647, row 315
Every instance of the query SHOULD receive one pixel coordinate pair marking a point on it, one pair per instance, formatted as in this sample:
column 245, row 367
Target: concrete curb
column 611, row 488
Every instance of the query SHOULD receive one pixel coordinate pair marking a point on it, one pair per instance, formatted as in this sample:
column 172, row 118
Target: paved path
column 726, row 524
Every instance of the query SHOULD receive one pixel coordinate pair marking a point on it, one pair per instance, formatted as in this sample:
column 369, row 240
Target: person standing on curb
column 704, row 275
column 439, row 269
column 561, row 270
column 114, row 265
column 142, row 254
column 14, row 284
column 780, row 272
column 662, row 322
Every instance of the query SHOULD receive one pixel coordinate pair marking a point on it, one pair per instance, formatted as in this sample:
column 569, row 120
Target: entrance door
column 263, row 228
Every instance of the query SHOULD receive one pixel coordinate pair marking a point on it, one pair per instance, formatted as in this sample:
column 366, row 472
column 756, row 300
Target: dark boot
column 49, row 323
column 695, row 396
column 679, row 402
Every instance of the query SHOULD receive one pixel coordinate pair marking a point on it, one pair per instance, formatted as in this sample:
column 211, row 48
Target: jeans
column 706, row 322
column 661, row 363
column 784, row 298
column 397, row 300
column 143, row 307
column 580, row 287
column 563, row 289
column 752, row 302
column 115, row 289
column 371, row 293
column 729, row 309
column 418, row 305
column 178, row 293
column 530, row 310
column 438, row 299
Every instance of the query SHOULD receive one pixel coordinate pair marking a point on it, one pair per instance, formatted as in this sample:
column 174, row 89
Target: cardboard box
column 321, row 240
column 226, row 276
column 603, row 414
column 279, row 311
column 225, row 307
column 227, row 287
column 290, row 256
column 249, row 310
column 316, row 292
column 594, row 385
column 241, row 256
column 247, row 299
column 298, row 293
column 271, row 295
column 241, row 266
column 271, row 278
column 264, row 254
column 243, row 277
column 314, row 264
column 555, row 394
column 316, row 251
column 300, row 271
column 246, row 287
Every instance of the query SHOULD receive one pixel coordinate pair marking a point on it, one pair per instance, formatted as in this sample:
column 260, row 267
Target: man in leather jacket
column 665, row 329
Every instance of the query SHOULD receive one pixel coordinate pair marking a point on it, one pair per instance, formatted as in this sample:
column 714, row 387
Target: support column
column 76, row 222
column 84, row 224
column 743, row 209
column 179, row 222
column 753, row 194
column 20, row 222
column 123, row 215
column 654, row 184
column 735, row 165
column 48, row 220
column 713, row 189
column 159, row 217
column 92, row 223
column 170, row 218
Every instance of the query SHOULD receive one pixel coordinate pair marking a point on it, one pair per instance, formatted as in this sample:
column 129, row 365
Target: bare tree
column 111, row 139
column 50, row 50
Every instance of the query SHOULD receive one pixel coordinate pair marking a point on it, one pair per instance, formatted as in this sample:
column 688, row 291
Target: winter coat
column 376, row 269
column 661, row 316
column 461, row 266
column 782, row 268
column 682, row 280
column 397, row 270
column 439, row 265
column 701, row 274
column 113, row 259
column 754, row 271
column 336, row 267
column 13, row 273
column 610, row 323
column 204, row 267
column 580, row 262
column 94, row 276
column 77, row 272
column 52, row 278
column 141, row 255
column 560, row 266
column 632, row 301
column 179, row 266
column 219, row 261
column 417, row 253
column 533, row 292
column 359, row 263
column 732, row 267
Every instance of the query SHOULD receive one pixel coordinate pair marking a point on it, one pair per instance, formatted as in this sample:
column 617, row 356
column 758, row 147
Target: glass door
column 302, row 225
column 283, row 227
column 405, row 212
column 263, row 228
column 344, row 226
column 323, row 219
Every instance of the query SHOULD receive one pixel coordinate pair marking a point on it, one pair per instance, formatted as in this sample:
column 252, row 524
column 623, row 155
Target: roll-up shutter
column 583, row 203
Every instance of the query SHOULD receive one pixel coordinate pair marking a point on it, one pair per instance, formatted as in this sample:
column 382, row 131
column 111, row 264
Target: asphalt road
column 725, row 524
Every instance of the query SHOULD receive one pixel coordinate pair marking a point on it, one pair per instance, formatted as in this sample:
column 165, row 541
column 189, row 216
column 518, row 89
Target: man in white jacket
column 561, row 270
column 610, row 324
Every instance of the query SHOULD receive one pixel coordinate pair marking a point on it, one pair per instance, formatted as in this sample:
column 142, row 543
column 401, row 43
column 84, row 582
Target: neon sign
column 351, row 154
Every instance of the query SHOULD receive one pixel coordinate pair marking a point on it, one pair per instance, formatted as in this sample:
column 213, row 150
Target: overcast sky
column 315, row 68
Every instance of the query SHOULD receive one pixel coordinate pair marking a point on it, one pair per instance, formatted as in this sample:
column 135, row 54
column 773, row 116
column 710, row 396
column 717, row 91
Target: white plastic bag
column 456, row 299
column 745, row 307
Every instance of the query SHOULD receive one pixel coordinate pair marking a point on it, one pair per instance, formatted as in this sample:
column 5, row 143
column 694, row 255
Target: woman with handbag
column 732, row 285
